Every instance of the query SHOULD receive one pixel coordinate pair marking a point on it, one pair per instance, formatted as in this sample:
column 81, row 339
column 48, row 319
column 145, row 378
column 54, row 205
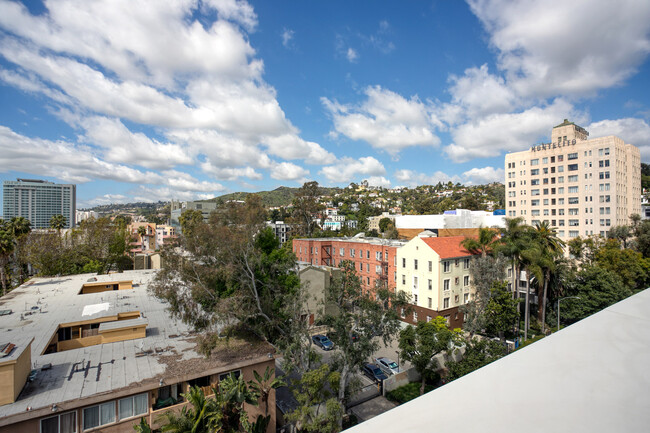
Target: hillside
column 281, row 196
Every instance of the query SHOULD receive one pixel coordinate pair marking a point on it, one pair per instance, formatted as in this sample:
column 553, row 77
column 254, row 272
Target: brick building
column 374, row 258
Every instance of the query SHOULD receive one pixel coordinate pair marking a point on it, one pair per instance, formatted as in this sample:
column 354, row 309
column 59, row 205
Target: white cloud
column 289, row 171
column 480, row 176
column 379, row 181
column 351, row 55
column 557, row 47
column 631, row 130
column 489, row 136
column 347, row 169
column 385, row 120
column 104, row 199
column 412, row 178
column 121, row 145
column 287, row 37
column 290, row 146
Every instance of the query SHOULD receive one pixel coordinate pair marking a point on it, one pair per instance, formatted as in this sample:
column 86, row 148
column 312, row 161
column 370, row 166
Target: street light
column 558, row 308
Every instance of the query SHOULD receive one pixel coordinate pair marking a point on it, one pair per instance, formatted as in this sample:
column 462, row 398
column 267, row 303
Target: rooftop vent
column 5, row 349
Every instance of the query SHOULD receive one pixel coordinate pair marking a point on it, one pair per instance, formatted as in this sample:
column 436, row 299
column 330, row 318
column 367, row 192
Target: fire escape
column 326, row 254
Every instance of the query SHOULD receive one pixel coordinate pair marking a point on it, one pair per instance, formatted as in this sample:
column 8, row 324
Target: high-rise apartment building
column 579, row 185
column 38, row 201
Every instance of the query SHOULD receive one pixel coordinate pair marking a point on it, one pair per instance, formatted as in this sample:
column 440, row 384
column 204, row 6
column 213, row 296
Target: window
column 351, row 252
column 430, row 285
column 573, row 233
column 446, row 266
column 415, row 299
column 574, row 223
column 403, row 262
column 534, row 172
column 604, row 163
column 466, row 264
column 466, row 298
column 342, row 252
column 560, row 179
column 235, row 373
column 378, row 269
column 415, row 316
column 403, row 279
column 573, row 200
column 573, row 211
column 415, row 264
column 415, row 286
column 572, row 167
column 64, row 423
column 573, row 178
column 603, row 175
column 534, row 162
column 456, row 281
column 534, row 212
column 534, row 192
column 445, row 285
column 430, row 266
column 445, row 303
column 466, row 280
column 534, row 202
column 545, row 160
column 367, row 254
column 132, row 406
column 102, row 414
column 572, row 156
column 430, row 302
column 573, row 190
column 534, row 182
column 378, row 255
column 368, row 266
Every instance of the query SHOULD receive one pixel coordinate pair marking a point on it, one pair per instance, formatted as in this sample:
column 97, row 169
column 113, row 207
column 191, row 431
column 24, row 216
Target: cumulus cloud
column 631, row 130
column 412, row 178
column 385, row 120
column 289, row 171
column 79, row 164
column 378, row 181
column 484, row 175
column 184, row 71
column 489, row 136
column 558, row 47
column 347, row 169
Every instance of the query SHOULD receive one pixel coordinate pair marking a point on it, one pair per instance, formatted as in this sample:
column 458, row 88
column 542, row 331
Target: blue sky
column 151, row 100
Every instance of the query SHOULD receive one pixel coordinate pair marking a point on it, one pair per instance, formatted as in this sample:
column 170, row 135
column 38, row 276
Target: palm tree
column 58, row 222
column 484, row 244
column 142, row 231
column 551, row 248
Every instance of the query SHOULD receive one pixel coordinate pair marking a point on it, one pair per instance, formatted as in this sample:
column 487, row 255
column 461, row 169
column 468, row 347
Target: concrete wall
column 13, row 376
column 400, row 379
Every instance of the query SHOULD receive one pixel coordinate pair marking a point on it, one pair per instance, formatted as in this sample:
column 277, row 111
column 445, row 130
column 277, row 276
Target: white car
column 387, row 365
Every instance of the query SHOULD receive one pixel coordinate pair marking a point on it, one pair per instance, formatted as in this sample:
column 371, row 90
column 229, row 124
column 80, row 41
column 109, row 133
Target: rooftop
column 119, row 368
column 447, row 247
column 592, row 376
column 360, row 239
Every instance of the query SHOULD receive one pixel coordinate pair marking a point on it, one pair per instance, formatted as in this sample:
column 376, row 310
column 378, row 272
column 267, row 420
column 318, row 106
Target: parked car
column 323, row 342
column 354, row 337
column 374, row 372
column 387, row 365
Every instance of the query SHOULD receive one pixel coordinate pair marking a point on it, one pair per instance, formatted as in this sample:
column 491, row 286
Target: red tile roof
column 447, row 247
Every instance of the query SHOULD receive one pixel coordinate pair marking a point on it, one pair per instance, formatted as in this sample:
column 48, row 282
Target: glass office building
column 38, row 201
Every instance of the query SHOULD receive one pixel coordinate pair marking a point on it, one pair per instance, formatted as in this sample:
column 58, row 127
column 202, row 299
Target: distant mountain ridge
column 281, row 196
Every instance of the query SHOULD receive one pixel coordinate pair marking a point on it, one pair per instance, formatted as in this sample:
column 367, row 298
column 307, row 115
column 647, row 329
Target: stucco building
column 435, row 272
column 579, row 185
column 38, row 201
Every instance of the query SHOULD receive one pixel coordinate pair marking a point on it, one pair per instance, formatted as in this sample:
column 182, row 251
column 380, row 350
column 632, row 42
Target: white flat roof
column 593, row 376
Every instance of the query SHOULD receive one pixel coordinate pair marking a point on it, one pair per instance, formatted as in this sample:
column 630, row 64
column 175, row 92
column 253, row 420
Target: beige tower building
column 579, row 185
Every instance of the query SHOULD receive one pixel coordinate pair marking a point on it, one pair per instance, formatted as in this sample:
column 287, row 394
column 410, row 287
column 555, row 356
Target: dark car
column 374, row 372
column 354, row 337
column 323, row 342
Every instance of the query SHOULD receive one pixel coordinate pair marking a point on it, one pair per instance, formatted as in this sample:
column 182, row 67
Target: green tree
column 384, row 223
column 190, row 220
column 478, row 353
column 264, row 384
column 500, row 311
column 484, row 272
column 142, row 232
column 318, row 408
column 364, row 314
column 58, row 222
column 620, row 233
column 630, row 265
column 232, row 270
column 420, row 344
column 20, row 228
column 597, row 288
column 305, row 208
column 7, row 245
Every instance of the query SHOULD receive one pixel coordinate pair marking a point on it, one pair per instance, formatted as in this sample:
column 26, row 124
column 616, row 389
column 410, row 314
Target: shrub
column 407, row 392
